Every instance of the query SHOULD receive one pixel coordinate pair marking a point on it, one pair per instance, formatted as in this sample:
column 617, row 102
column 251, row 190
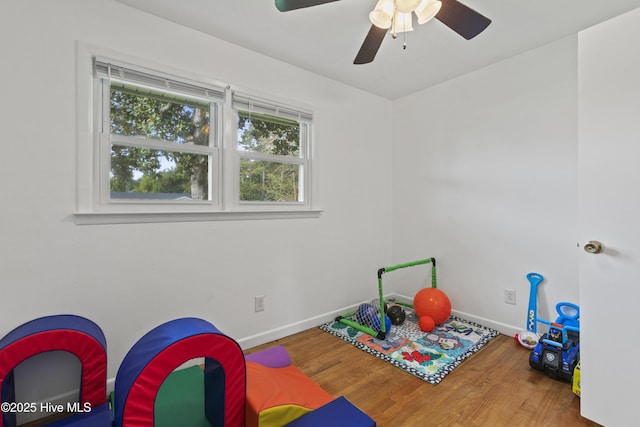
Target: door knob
column 593, row 247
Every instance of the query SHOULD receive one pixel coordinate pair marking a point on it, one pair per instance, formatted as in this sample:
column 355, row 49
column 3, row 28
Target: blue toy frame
column 558, row 351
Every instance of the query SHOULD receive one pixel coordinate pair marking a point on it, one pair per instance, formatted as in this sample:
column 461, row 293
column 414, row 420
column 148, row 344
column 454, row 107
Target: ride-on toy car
column 558, row 351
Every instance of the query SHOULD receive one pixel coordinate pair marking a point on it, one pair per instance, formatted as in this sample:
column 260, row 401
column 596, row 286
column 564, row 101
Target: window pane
column 268, row 134
column 147, row 174
column 269, row 181
column 152, row 114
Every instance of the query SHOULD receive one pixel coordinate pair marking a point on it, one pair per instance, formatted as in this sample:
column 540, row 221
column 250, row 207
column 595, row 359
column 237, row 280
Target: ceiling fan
column 396, row 15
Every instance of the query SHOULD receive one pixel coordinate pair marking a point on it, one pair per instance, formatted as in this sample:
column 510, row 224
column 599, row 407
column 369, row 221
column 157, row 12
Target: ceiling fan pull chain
column 394, row 35
column 404, row 30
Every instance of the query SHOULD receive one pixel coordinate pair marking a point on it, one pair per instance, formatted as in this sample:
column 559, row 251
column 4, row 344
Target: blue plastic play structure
column 558, row 351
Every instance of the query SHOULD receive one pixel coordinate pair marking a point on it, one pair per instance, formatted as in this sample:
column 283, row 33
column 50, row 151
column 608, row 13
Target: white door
column 609, row 210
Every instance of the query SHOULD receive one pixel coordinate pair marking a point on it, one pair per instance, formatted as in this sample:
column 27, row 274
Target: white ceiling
column 325, row 39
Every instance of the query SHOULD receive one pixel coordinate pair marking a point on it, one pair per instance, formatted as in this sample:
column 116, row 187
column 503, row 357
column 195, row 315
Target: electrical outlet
column 510, row 296
column 259, row 303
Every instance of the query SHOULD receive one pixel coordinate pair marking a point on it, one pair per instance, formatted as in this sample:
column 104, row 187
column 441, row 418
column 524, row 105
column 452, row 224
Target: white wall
column 130, row 278
column 483, row 177
column 485, row 181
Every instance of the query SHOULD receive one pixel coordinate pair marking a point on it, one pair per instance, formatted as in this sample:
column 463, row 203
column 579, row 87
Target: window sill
column 99, row 218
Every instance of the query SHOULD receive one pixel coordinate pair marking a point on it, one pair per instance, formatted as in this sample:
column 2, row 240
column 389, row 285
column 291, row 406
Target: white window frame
column 108, row 71
column 249, row 103
column 94, row 205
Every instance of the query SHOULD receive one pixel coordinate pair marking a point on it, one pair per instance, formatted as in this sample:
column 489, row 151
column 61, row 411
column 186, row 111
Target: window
column 157, row 140
column 162, row 150
column 273, row 148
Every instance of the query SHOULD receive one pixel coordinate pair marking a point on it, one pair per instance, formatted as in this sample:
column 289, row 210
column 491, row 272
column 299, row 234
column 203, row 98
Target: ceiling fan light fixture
column 402, row 22
column 407, row 6
column 399, row 15
column 382, row 15
column 427, row 10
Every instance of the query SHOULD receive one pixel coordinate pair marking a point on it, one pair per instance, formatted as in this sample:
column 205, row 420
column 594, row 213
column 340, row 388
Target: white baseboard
column 293, row 328
column 503, row 328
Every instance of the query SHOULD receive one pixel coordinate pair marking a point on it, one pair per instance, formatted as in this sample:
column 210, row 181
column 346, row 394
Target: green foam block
column 180, row 400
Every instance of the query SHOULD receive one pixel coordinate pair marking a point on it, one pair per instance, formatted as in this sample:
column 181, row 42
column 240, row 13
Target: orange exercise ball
column 434, row 303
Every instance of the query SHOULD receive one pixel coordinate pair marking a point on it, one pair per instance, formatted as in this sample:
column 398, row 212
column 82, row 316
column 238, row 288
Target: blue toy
column 375, row 322
column 534, row 280
column 558, row 351
column 569, row 314
column 529, row 337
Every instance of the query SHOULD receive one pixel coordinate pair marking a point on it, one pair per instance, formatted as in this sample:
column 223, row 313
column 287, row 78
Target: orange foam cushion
column 276, row 396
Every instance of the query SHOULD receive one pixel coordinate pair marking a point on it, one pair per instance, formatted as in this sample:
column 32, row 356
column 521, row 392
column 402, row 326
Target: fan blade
column 287, row 5
column 370, row 45
column 462, row 19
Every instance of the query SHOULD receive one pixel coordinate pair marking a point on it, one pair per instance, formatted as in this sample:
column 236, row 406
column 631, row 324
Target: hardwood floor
column 495, row 387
